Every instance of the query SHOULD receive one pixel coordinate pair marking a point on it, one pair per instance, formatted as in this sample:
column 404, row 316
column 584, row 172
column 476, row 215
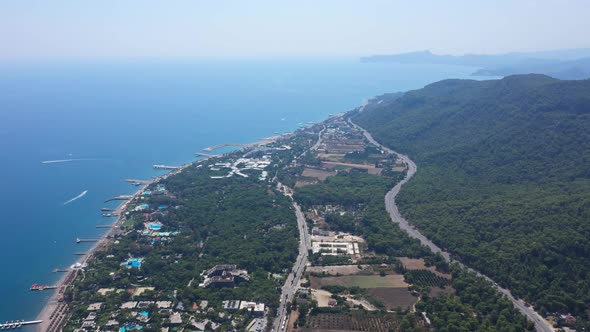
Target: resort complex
column 289, row 235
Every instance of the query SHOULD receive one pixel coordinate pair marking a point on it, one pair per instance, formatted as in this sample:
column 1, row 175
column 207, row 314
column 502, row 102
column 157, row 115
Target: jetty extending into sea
column 206, row 155
column 165, row 167
column 10, row 325
column 219, row 146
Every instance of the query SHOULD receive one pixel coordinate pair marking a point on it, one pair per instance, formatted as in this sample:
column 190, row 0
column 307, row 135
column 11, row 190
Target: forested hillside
column 503, row 178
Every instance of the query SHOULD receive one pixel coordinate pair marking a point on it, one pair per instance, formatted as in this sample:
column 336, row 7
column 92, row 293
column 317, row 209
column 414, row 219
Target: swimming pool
column 134, row 262
column 154, row 226
column 130, row 328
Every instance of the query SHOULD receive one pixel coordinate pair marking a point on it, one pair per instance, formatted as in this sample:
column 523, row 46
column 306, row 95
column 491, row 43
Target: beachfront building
column 128, row 305
column 175, row 319
column 231, row 305
column 223, row 275
column 96, row 306
column 234, row 305
column 241, row 164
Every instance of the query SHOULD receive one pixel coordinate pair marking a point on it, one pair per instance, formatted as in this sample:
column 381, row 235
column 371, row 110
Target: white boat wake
column 64, row 160
column 77, row 197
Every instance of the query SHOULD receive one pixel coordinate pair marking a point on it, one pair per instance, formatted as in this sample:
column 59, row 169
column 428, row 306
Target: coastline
column 54, row 312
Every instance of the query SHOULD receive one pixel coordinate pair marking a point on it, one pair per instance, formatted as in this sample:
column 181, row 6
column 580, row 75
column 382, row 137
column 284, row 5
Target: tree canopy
column 503, row 178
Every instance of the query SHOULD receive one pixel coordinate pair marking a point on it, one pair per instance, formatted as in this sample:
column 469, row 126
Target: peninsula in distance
column 572, row 64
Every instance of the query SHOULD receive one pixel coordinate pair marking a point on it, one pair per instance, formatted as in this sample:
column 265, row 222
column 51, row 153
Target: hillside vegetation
column 503, row 178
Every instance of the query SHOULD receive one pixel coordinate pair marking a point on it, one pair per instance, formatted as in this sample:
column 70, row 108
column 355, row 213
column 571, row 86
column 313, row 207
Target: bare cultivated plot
column 375, row 171
column 419, row 264
column 292, row 318
column 301, row 183
column 333, row 163
column 372, row 281
column 317, row 173
column 344, row 148
column 355, row 321
column 331, row 156
column 413, row 263
column 394, row 298
column 334, row 270
column 322, row 297
column 362, row 302
column 435, row 291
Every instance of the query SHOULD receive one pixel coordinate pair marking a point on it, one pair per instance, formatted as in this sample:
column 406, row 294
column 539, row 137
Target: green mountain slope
column 503, row 178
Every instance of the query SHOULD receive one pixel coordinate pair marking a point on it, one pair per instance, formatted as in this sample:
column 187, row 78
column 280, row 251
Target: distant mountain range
column 563, row 64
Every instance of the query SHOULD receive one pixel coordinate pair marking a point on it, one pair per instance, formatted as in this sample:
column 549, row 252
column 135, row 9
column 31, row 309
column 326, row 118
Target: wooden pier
column 61, row 270
column 136, row 182
column 165, row 167
column 79, row 240
column 10, row 325
column 120, row 198
column 37, row 287
column 81, row 253
column 218, row 146
column 206, row 155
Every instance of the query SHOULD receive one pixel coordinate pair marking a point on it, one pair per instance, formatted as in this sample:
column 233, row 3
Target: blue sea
column 120, row 118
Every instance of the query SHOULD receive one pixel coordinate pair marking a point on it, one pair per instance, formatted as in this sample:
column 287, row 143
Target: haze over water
column 113, row 121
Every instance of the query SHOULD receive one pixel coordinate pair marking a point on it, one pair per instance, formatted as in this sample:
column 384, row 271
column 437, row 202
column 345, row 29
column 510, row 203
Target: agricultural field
column 305, row 182
column 333, row 270
column 393, row 298
column 323, row 297
column 331, row 156
column 425, row 278
column 317, row 173
column 371, row 169
column 419, row 264
column 435, row 291
column 362, row 281
column 354, row 321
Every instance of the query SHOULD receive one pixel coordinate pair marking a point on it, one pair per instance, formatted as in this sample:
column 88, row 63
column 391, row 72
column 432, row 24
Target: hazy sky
column 50, row 29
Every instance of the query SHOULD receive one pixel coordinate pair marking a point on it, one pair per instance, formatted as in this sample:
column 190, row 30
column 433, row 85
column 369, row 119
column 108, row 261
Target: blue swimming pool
column 134, row 262
column 131, row 327
column 154, row 227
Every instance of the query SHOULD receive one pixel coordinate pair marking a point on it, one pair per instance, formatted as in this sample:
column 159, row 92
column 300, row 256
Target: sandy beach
column 55, row 311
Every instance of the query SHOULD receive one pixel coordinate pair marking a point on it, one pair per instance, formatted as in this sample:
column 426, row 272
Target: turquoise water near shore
column 117, row 119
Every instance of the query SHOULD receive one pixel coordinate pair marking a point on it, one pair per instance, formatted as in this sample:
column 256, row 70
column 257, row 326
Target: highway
column 319, row 141
column 293, row 279
column 541, row 324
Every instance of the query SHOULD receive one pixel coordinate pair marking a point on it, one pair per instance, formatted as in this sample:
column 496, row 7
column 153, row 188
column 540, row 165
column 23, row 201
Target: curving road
column 541, row 324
